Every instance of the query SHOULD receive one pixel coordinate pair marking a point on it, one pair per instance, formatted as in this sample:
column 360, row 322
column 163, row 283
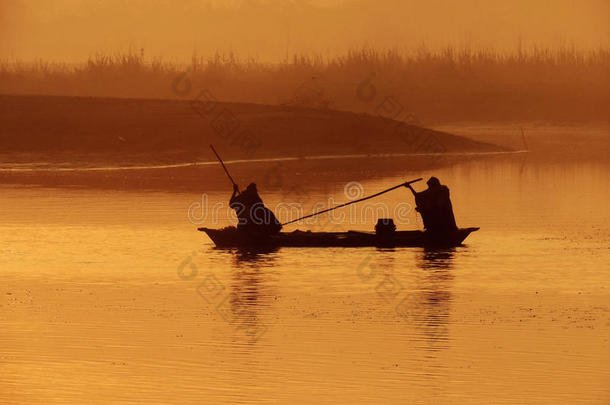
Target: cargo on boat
column 232, row 237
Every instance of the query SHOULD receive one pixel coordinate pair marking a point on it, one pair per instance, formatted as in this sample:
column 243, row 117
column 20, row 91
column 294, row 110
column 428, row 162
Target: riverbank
column 129, row 131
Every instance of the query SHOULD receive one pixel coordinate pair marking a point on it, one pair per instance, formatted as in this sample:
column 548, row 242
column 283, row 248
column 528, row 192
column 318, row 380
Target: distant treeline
column 423, row 86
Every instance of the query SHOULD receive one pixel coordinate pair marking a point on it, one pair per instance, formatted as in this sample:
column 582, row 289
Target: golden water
column 98, row 304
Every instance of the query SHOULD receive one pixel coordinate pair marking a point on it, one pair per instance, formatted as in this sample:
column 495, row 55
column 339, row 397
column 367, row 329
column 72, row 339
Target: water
column 112, row 296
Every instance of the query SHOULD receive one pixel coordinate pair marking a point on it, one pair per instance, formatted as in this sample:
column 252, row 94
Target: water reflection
column 429, row 306
column 436, row 258
column 259, row 256
column 249, row 293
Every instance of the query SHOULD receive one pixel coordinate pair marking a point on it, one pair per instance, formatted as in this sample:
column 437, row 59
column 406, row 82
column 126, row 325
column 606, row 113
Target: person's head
column 433, row 182
column 251, row 187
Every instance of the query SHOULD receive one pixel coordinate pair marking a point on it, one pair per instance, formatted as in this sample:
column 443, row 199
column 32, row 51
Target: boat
column 231, row 237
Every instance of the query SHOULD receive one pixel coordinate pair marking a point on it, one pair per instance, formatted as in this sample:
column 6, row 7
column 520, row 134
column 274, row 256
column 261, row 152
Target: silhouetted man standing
column 434, row 205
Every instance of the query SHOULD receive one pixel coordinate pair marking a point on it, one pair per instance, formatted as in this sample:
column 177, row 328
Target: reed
column 425, row 81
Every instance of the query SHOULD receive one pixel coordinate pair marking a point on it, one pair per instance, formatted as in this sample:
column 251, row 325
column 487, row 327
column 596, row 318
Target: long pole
column 223, row 165
column 355, row 201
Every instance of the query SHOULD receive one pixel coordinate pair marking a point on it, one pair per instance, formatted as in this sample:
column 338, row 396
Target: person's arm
column 417, row 196
column 235, row 193
column 408, row 185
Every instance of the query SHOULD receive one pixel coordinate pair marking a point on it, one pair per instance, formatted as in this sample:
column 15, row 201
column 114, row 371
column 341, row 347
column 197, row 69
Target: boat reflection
column 250, row 255
column 436, row 258
column 261, row 256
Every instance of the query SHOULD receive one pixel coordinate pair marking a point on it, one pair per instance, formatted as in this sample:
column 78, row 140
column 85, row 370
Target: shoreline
column 240, row 161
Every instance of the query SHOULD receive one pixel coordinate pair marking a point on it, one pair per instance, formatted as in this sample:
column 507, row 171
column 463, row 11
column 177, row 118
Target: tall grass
column 447, row 84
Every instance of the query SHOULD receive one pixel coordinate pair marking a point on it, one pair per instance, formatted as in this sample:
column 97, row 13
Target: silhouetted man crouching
column 253, row 217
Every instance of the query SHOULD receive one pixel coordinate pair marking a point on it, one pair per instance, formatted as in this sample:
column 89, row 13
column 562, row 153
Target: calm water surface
column 114, row 297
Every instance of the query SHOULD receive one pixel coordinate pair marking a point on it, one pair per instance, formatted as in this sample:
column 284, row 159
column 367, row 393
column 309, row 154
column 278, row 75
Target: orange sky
column 71, row 30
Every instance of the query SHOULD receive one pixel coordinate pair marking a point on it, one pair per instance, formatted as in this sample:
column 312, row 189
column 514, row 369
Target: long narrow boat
column 231, row 237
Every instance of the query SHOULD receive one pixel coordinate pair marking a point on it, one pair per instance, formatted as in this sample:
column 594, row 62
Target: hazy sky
column 71, row 30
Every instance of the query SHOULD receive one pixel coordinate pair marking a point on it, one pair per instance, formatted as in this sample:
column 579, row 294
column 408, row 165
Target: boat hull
column 231, row 237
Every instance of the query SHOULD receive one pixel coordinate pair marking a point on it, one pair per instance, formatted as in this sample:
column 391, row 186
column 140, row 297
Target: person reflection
column 435, row 288
column 429, row 305
column 249, row 294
